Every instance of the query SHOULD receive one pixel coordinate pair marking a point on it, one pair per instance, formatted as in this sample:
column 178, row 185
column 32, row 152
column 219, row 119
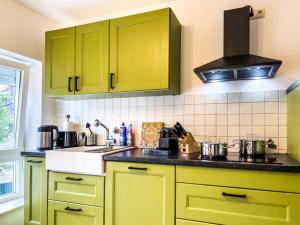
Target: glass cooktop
column 235, row 157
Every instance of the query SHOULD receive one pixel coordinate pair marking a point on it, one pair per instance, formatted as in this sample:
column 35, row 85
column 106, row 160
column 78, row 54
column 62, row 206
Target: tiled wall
column 223, row 117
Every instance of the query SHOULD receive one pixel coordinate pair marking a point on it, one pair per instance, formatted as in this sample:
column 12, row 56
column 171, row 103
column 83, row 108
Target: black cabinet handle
column 136, row 168
column 73, row 179
column 233, row 195
column 76, row 83
column 69, row 84
column 111, row 81
column 73, row 210
column 33, row 161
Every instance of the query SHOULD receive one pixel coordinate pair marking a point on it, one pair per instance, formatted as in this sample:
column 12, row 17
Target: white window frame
column 13, row 154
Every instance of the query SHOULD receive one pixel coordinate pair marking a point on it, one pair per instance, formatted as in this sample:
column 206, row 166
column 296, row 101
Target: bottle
column 123, row 135
column 130, row 137
column 67, row 125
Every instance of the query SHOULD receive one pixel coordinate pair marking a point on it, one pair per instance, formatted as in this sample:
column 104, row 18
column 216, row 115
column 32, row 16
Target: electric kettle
column 47, row 137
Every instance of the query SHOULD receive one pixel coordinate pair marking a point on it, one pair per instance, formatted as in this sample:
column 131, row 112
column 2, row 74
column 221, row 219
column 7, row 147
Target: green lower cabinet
column 35, row 193
column 76, row 188
column 236, row 206
column 62, row 213
column 139, row 194
column 188, row 222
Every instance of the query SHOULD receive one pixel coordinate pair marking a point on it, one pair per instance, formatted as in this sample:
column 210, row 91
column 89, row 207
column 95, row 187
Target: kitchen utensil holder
column 188, row 144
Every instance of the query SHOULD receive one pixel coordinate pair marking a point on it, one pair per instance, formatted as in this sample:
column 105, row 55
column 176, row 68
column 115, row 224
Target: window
column 10, row 95
column 7, row 178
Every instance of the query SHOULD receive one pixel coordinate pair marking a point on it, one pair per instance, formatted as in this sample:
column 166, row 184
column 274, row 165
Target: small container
column 123, row 135
column 130, row 136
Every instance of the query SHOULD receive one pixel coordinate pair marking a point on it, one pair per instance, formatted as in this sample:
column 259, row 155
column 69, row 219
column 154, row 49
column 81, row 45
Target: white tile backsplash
column 259, row 107
column 211, row 109
column 199, row 99
column 234, row 97
column 245, row 108
column 272, row 96
column 219, row 117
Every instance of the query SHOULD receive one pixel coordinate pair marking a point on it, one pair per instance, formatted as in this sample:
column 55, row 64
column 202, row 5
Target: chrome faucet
column 108, row 140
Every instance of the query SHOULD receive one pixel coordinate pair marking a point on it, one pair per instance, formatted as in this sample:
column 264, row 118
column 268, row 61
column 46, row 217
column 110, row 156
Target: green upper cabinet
column 138, row 194
column 77, row 60
column 91, row 65
column 35, row 195
column 140, row 52
column 130, row 54
column 60, row 55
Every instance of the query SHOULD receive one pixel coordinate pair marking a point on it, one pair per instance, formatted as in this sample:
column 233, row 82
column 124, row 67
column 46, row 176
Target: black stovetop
column 265, row 159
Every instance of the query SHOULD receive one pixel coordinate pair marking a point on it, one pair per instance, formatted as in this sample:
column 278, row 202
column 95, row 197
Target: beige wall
column 22, row 30
column 275, row 36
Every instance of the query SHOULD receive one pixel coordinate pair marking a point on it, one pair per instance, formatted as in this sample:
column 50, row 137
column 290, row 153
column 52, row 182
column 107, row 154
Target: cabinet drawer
column 61, row 213
column 82, row 189
column 234, row 206
column 272, row 181
column 188, row 222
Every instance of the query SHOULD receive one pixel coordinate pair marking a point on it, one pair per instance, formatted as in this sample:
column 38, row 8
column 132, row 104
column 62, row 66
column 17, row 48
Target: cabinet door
column 62, row 213
column 92, row 52
column 139, row 194
column 59, row 67
column 139, row 51
column 35, row 191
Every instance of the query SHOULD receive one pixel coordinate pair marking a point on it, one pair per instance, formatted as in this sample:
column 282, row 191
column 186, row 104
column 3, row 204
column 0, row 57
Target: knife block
column 188, row 144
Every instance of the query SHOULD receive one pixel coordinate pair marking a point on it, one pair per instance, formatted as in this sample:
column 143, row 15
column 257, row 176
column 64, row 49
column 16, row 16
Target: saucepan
column 210, row 150
column 253, row 146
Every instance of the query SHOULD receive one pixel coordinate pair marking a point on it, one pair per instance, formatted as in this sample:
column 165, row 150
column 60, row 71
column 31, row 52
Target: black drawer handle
column 33, row 161
column 233, row 195
column 73, row 210
column 136, row 168
column 73, row 179
column 69, row 84
column 76, row 83
column 111, row 81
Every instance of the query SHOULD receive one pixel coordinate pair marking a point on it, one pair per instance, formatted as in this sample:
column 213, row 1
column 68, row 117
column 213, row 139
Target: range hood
column 237, row 63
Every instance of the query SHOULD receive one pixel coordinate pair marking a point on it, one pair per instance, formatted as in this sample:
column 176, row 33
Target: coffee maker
column 47, row 137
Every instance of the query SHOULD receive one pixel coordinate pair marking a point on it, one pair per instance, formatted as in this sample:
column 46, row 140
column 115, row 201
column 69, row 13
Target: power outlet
column 258, row 14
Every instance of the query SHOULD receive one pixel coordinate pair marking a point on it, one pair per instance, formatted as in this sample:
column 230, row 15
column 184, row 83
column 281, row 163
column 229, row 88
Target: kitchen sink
column 80, row 160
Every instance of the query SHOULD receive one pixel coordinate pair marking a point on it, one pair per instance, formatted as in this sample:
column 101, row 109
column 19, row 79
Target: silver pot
column 214, row 150
column 256, row 148
column 243, row 146
column 205, row 150
column 219, row 150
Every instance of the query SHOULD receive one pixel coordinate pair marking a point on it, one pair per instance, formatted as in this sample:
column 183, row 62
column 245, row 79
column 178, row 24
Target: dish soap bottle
column 130, row 137
column 123, row 135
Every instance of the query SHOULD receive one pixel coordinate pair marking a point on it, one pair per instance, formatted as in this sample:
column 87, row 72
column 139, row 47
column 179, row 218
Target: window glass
column 9, row 95
column 7, row 178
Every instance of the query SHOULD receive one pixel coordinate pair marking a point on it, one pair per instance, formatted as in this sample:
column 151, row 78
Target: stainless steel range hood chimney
column 237, row 63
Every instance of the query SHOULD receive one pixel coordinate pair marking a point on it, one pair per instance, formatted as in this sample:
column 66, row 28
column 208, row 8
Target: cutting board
column 150, row 134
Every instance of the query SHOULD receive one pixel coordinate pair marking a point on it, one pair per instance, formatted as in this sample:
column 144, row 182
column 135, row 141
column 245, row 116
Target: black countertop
column 284, row 162
column 34, row 153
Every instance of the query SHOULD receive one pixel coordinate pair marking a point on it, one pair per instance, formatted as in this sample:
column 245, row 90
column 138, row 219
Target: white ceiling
column 64, row 11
